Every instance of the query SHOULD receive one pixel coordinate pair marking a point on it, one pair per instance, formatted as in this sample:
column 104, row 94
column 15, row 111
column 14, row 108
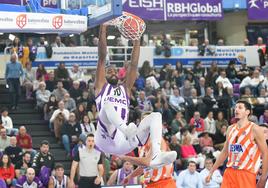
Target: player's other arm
column 102, row 52
column 260, row 140
column 220, row 160
column 133, row 67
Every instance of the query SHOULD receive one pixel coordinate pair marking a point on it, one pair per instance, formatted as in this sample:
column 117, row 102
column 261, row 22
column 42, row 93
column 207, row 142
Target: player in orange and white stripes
column 245, row 145
column 153, row 178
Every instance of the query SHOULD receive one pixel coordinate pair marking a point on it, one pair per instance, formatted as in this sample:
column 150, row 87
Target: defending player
column 113, row 135
column 244, row 146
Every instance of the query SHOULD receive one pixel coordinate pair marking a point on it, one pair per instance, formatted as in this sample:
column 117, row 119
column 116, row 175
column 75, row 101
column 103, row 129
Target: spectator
column 69, row 103
column 198, row 70
column 58, row 43
column 206, row 143
column 220, row 121
column 62, row 74
column 75, row 91
column 87, row 127
column 176, row 100
column 58, row 117
column 17, row 47
column 70, row 133
column 264, row 117
column 220, row 137
column 167, row 89
column 43, row 163
column 59, row 92
column 50, row 107
column 80, row 112
column 231, row 72
column 4, row 139
column 224, row 80
column 177, row 123
column 14, row 151
column 7, row 171
column 37, row 82
column 76, row 74
column 42, row 96
column 256, row 81
column 246, row 42
column 189, row 177
column 119, row 175
column 122, row 71
column 29, row 77
column 165, row 73
column 145, row 104
column 209, row 100
column 93, row 114
column 175, row 146
column 220, row 42
column 50, row 82
column 41, row 72
column 146, row 69
column 188, row 152
column 216, row 178
column 7, row 122
column 89, row 177
column 212, row 75
column 185, row 90
column 176, row 78
column 29, row 52
column 243, row 71
column 87, row 100
column 201, row 87
column 192, row 104
column 12, row 75
column 197, row 122
column 59, row 180
column 24, row 141
column 210, row 124
column 29, row 180
column 22, row 165
column 95, row 41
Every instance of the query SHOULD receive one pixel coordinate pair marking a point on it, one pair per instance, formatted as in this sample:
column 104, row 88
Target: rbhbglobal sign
column 174, row 10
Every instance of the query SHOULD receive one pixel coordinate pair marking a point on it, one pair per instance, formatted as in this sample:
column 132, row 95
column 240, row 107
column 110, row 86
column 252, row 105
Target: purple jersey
column 23, row 183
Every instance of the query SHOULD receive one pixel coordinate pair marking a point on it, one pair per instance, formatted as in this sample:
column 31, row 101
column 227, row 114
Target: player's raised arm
column 133, row 67
column 102, row 52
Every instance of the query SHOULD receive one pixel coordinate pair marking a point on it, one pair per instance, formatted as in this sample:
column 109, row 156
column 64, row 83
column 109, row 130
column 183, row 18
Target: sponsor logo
column 49, row 3
column 193, row 8
column 57, row 22
column 116, row 100
column 258, row 4
column 145, row 3
column 21, row 20
column 236, row 148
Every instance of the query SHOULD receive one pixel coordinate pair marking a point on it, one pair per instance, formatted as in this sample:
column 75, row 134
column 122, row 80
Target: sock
column 156, row 132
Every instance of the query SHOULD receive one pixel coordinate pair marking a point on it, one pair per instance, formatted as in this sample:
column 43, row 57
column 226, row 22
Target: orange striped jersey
column 243, row 152
column 154, row 175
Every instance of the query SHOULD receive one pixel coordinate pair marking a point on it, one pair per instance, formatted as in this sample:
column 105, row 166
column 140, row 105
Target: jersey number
column 117, row 91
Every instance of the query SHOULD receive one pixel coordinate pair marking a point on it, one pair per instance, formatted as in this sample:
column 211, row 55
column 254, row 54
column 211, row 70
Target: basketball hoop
column 129, row 25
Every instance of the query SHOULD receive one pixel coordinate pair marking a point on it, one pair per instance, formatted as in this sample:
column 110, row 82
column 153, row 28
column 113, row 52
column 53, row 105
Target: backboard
column 100, row 11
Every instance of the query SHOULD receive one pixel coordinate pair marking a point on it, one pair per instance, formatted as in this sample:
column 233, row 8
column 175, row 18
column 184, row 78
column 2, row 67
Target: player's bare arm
column 260, row 140
column 133, row 67
column 102, row 53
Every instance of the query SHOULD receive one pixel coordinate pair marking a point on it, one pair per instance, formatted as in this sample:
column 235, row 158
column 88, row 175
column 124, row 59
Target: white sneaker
column 163, row 158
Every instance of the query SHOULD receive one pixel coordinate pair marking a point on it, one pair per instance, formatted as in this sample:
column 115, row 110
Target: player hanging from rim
column 113, row 135
column 244, row 147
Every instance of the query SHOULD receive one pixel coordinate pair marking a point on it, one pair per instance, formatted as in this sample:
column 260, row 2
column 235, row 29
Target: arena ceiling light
column 111, row 37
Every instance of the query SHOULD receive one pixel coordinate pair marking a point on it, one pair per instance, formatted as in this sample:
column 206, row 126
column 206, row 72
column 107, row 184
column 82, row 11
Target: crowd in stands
column 196, row 106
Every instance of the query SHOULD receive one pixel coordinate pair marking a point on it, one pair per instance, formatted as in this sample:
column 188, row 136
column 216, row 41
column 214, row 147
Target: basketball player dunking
column 113, row 135
column 245, row 145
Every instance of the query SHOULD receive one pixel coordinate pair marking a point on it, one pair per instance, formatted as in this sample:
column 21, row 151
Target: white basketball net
column 128, row 32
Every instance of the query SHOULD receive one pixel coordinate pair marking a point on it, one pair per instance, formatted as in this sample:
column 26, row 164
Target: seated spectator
column 231, row 72
column 87, row 100
column 70, row 133
column 50, row 83
column 246, row 82
column 58, row 118
column 58, row 43
column 175, row 100
column 264, row 118
column 7, row 171
column 177, row 123
column 42, row 95
column 189, row 177
column 29, row 77
column 43, row 163
column 75, row 91
column 4, row 139
column 80, row 112
column 177, row 78
column 243, row 71
column 175, row 146
column 87, row 126
column 69, row 103
column 192, row 104
column 210, row 124
column 209, row 100
column 29, row 180
column 145, row 104
column 41, row 72
column 206, row 143
column 198, row 69
column 220, row 121
column 59, row 179
column 197, row 122
column 24, row 141
column 93, row 114
column 220, row 91
column 185, row 90
column 167, row 89
column 76, row 74
column 220, row 137
column 123, row 71
column 59, row 92
column 22, row 165
column 188, row 152
column 62, row 74
column 14, row 151
column 7, row 122
column 216, row 178
column 194, row 139
column 50, row 107
column 201, row 87
column 257, row 79
column 191, row 78
column 36, row 83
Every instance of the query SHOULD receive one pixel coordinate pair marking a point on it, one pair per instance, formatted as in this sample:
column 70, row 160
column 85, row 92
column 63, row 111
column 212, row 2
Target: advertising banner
column 39, row 22
column 50, row 3
column 175, row 10
column 88, row 56
column 13, row 2
column 258, row 9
